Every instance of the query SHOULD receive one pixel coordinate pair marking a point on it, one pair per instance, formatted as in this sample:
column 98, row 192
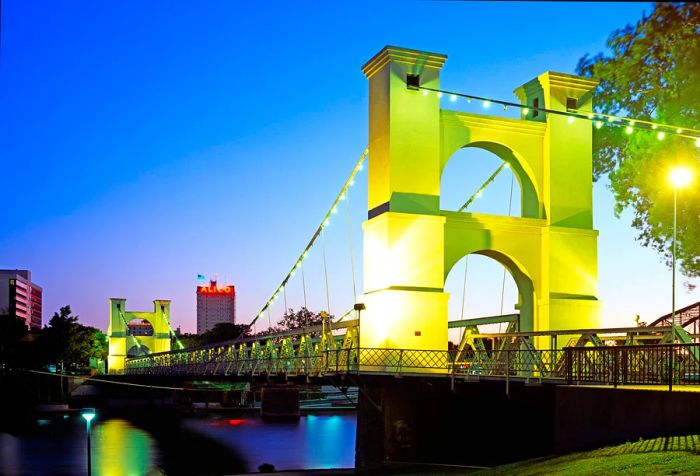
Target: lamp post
column 679, row 177
column 88, row 414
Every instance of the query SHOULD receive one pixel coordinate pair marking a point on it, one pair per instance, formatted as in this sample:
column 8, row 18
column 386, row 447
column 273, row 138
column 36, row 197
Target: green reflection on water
column 119, row 449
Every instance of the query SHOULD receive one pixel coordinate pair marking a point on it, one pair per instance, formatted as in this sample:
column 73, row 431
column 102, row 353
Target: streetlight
column 680, row 177
column 88, row 414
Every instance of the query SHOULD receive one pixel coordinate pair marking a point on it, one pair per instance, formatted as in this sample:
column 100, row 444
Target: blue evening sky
column 143, row 143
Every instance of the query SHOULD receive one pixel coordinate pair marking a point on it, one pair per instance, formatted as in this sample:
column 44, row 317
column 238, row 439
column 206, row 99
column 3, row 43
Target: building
column 20, row 297
column 215, row 305
column 139, row 328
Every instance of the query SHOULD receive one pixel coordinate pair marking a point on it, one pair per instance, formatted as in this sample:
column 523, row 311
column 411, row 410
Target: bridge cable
column 136, row 340
column 286, row 309
column 172, row 332
column 464, row 292
column 325, row 271
column 352, row 257
column 503, row 282
column 306, row 306
column 348, row 183
column 483, row 186
column 597, row 118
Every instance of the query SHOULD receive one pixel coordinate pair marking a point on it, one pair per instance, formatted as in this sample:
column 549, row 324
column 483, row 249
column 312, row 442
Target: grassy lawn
column 666, row 455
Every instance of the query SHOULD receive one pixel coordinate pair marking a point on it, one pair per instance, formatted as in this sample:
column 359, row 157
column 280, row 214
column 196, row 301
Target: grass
column 665, row 455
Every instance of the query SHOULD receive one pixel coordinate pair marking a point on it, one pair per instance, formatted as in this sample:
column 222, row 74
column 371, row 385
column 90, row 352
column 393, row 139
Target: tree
column 68, row 344
column 12, row 329
column 222, row 332
column 653, row 73
column 295, row 320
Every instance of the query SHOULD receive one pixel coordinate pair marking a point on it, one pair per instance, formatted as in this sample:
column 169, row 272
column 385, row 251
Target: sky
column 144, row 143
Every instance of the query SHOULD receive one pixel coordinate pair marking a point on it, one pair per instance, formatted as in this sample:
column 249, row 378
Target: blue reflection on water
column 58, row 447
column 315, row 441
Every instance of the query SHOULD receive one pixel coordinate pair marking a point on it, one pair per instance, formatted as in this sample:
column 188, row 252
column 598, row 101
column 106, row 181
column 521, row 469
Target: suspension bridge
column 399, row 325
column 410, row 245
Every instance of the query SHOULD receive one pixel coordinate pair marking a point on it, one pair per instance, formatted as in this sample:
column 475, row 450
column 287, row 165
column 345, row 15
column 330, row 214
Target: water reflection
column 122, row 450
column 58, row 446
column 313, row 442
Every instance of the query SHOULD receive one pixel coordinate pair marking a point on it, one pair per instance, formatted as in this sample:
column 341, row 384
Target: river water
column 58, row 446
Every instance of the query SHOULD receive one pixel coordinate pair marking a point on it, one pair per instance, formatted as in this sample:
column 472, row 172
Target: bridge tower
column 410, row 245
column 120, row 344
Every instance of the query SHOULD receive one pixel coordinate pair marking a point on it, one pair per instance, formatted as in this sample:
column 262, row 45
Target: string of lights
column 597, row 118
column 324, row 223
column 480, row 190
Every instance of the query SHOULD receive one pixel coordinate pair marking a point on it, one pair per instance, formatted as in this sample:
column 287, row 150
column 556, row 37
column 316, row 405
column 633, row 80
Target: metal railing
column 667, row 364
column 225, row 361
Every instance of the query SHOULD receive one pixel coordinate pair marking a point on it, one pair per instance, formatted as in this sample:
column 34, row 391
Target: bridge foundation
column 429, row 420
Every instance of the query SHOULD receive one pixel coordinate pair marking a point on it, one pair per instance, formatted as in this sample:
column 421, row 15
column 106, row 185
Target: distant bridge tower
column 122, row 345
column 410, row 245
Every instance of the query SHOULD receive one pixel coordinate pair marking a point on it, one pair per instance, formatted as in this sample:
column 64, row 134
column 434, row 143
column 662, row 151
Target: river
column 57, row 446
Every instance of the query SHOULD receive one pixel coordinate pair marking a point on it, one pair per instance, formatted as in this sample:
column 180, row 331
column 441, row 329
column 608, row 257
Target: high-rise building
column 215, row 304
column 20, row 297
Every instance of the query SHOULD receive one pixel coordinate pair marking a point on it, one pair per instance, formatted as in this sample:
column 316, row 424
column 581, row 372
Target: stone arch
column 409, row 241
column 530, row 201
column 137, row 351
column 122, row 341
column 139, row 326
column 523, row 281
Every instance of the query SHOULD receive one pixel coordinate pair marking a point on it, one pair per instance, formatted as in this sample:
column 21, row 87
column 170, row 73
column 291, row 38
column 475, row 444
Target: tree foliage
column 68, row 344
column 295, row 320
column 652, row 72
column 12, row 330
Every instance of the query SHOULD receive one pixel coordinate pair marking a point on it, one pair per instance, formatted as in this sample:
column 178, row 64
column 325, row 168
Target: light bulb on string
column 660, row 135
column 654, row 126
column 591, row 115
column 439, row 95
column 697, row 142
column 453, row 97
column 629, row 129
column 571, row 119
column 334, row 210
column 610, row 119
column 598, row 124
column 525, row 111
column 425, row 92
column 487, row 104
column 679, row 130
column 361, row 166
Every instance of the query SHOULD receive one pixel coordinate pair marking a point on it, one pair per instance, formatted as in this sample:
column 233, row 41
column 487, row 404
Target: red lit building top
column 215, row 304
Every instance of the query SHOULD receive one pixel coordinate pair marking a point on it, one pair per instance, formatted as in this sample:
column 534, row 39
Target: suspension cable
column 483, row 186
column 325, row 272
column 286, row 309
column 464, row 292
column 348, row 183
column 306, row 306
column 352, row 257
column 135, row 339
column 503, row 282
